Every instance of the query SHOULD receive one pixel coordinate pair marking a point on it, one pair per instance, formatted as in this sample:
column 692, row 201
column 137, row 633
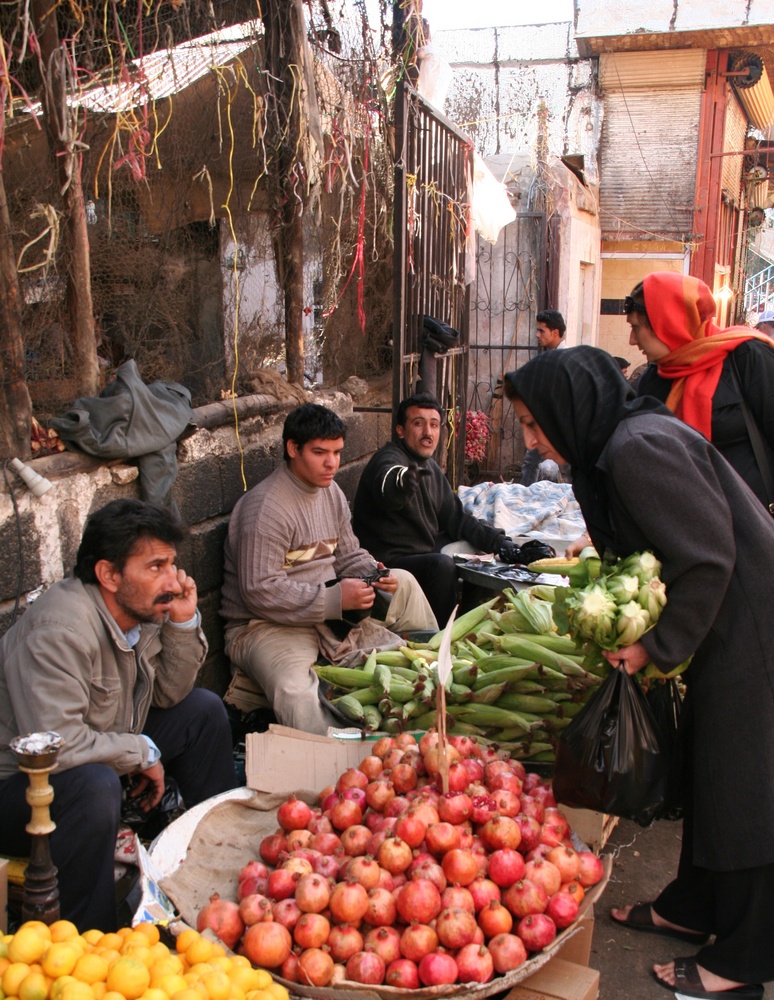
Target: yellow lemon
column 139, row 952
column 237, row 960
column 172, row 983
column 189, row 993
column 34, row 986
column 13, row 976
column 152, row 994
column 277, row 990
column 92, row 936
column 237, row 993
column 4, row 963
column 38, row 926
column 27, row 945
column 198, row 951
column 184, row 939
column 263, row 979
column 149, row 931
column 244, row 978
column 63, row 930
column 58, row 985
column 111, row 940
column 98, row 990
column 91, row 968
column 217, row 984
column 77, row 991
column 224, row 963
column 59, row 959
column 112, row 995
column 170, row 966
column 128, row 976
column 258, row 995
column 159, row 951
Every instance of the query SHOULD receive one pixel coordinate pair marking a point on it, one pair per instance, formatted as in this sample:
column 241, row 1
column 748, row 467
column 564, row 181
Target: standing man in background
column 550, row 337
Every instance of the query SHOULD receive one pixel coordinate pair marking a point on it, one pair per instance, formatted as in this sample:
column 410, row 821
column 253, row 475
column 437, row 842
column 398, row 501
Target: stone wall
column 214, row 468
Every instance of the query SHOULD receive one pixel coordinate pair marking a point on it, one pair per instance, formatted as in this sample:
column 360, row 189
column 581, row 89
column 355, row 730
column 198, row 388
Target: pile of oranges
column 41, row 962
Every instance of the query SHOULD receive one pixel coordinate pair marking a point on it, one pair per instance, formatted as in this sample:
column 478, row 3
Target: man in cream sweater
column 292, row 562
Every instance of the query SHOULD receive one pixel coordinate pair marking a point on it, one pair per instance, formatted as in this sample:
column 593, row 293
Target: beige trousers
column 279, row 658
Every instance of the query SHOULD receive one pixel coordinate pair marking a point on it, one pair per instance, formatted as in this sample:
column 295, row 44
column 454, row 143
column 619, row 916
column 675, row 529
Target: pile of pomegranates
column 390, row 881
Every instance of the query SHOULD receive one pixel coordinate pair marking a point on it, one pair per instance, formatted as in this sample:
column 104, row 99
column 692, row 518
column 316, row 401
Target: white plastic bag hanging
column 490, row 208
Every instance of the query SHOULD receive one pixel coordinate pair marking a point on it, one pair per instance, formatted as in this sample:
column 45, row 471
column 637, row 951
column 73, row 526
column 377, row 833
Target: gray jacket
column 66, row 666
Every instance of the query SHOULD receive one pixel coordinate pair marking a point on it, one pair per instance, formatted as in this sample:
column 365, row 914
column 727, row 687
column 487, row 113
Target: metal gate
column 431, row 167
column 509, row 292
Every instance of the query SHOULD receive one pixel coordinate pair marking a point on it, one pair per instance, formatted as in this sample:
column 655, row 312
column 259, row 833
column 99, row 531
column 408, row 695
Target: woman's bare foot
column 709, row 980
column 623, row 913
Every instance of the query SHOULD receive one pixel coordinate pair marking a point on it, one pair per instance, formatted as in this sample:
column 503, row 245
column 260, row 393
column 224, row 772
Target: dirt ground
column 644, row 860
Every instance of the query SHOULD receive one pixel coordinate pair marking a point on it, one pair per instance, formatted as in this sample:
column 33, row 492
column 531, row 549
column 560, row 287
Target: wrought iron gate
column 509, row 292
column 431, row 160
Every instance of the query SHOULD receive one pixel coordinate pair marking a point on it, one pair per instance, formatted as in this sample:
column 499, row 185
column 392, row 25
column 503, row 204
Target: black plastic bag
column 665, row 703
column 611, row 757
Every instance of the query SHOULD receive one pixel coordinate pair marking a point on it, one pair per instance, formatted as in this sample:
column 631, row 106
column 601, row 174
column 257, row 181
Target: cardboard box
column 3, row 896
column 558, row 980
column 593, row 828
column 577, row 949
column 284, row 759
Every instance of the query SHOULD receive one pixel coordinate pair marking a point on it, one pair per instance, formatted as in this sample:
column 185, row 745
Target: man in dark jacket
column 108, row 659
column 405, row 510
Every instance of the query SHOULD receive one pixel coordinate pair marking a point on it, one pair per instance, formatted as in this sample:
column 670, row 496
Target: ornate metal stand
column 37, row 755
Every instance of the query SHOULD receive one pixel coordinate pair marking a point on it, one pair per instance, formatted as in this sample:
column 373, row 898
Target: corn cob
column 489, row 695
column 370, row 663
column 507, row 675
column 527, row 687
column 499, row 661
column 460, row 693
column 343, row 677
column 488, row 715
column 382, row 679
column 350, row 707
column 372, row 718
column 465, row 674
column 556, row 643
column 539, row 654
column 464, row 624
column 537, row 704
column 366, row 696
column 417, row 655
column 392, row 658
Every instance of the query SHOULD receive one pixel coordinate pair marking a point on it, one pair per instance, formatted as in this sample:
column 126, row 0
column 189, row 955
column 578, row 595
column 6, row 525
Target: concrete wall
column 208, row 484
column 638, row 16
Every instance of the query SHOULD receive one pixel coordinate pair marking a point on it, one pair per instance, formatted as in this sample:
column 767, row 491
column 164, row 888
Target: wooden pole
column 15, row 403
column 67, row 157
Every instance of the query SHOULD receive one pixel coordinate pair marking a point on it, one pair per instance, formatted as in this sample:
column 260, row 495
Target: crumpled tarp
column 130, row 419
column 544, row 510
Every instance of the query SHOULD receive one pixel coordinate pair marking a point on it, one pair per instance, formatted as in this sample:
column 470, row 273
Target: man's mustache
column 165, row 598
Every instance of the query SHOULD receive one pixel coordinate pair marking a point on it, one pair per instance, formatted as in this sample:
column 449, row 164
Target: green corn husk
column 392, row 658
column 427, row 721
column 382, row 679
column 402, row 692
column 507, row 675
column 488, row 715
column 417, row 655
column 465, row 674
column 406, row 674
column 501, row 661
column 537, row 704
column 392, row 725
column 350, row 707
column 472, row 649
column 464, row 624
column 343, row 677
column 372, row 718
column 370, row 663
column 366, row 696
column 527, row 687
column 460, row 693
column 489, row 694
column 538, row 614
column 556, row 643
column 539, row 654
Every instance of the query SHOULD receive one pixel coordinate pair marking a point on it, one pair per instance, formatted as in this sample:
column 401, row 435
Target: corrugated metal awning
column 663, row 70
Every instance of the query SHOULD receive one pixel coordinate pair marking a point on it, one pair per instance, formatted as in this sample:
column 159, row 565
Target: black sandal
column 688, row 984
column 640, row 918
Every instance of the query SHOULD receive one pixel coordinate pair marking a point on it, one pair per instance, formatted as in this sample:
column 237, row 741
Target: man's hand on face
column 150, row 786
column 183, row 607
column 412, row 477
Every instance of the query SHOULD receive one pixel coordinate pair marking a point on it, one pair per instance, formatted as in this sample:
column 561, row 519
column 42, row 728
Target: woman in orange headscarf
column 701, row 371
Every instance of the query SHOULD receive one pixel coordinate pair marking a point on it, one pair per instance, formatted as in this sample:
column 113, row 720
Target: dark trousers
column 736, row 906
column 436, row 574
column 194, row 737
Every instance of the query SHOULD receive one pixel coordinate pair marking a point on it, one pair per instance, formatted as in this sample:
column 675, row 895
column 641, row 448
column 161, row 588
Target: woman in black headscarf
column 647, row 481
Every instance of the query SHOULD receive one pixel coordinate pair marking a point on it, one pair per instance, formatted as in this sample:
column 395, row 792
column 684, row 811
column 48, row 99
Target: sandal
column 641, row 919
column 688, row 984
